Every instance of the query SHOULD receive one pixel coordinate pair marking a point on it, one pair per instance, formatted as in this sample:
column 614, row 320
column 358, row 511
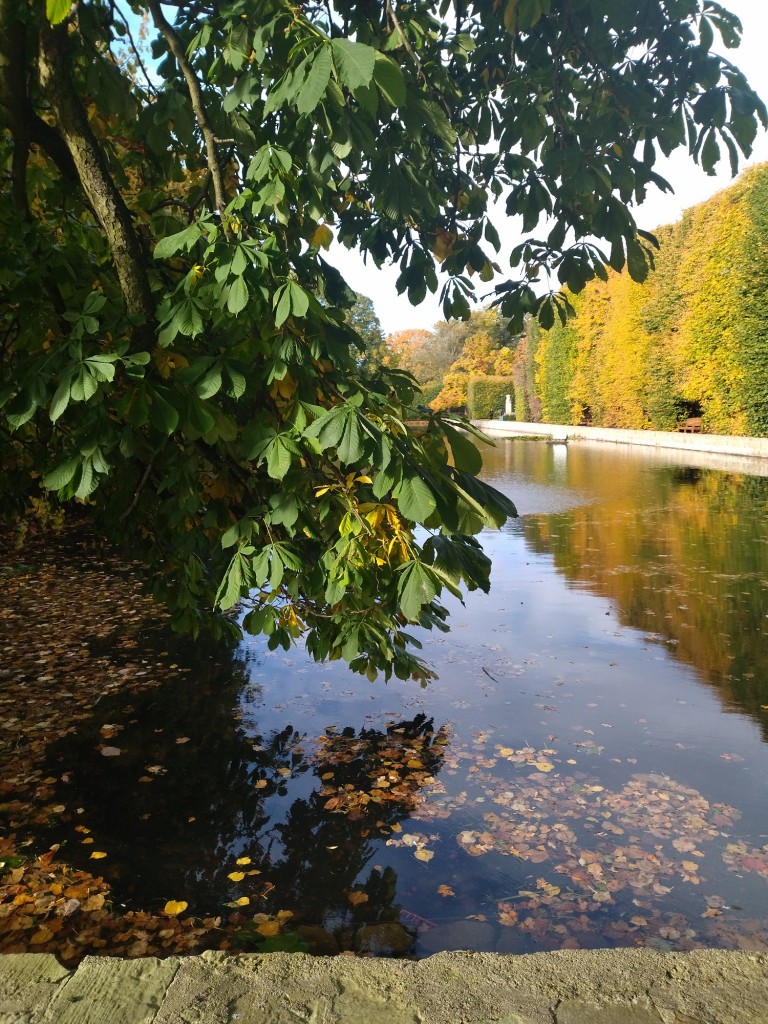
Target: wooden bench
column 691, row 426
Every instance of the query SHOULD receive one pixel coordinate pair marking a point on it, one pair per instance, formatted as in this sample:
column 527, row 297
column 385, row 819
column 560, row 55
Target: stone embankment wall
column 752, row 450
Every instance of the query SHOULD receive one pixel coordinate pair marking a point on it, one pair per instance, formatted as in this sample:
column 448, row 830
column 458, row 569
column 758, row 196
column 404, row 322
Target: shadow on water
column 188, row 796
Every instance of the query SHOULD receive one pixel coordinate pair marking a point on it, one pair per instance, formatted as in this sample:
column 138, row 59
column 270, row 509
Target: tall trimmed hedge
column 488, row 394
column 693, row 336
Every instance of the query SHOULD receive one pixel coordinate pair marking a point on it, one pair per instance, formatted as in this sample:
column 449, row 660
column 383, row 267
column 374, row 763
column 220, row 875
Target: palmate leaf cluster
column 175, row 354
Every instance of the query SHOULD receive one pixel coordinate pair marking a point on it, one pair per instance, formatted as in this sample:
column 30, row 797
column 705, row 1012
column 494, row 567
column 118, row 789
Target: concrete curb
column 620, row 986
column 750, row 452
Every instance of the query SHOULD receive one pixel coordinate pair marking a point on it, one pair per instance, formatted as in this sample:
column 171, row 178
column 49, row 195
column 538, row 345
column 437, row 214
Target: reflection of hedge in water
column 689, row 573
column 694, row 335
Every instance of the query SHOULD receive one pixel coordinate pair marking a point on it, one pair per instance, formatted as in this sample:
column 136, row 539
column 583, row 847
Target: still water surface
column 589, row 770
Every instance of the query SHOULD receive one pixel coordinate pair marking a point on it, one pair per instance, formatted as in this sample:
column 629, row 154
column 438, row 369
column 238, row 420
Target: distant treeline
column 691, row 341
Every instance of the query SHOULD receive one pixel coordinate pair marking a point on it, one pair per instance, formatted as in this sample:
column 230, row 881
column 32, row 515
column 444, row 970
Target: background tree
column 174, row 350
column 693, row 336
column 527, row 400
column 363, row 320
column 480, row 356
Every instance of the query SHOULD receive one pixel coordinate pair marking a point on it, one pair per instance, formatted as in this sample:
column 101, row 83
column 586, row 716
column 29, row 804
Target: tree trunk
column 128, row 252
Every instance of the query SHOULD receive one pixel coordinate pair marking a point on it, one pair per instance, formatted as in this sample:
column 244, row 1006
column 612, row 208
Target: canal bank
column 619, row 986
column 719, row 451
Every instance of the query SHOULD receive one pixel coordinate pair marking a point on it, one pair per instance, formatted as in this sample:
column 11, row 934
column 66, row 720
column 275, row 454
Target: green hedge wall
column 486, row 394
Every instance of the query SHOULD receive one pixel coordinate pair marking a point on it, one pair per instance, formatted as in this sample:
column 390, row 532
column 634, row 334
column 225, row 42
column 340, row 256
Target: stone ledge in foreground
column 620, row 986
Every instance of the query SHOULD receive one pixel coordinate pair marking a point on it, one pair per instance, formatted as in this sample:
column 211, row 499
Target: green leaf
column 350, row 445
column 316, row 82
column 237, row 380
column 187, row 319
column 290, row 299
column 175, row 243
column 329, row 427
column 416, row 588
column 60, row 400
column 285, row 509
column 87, row 483
column 61, row 476
column 162, row 414
column 465, row 454
column 389, row 80
column 57, row 10
column 414, row 499
column 278, row 459
column 283, row 301
column 354, row 62
column 237, row 299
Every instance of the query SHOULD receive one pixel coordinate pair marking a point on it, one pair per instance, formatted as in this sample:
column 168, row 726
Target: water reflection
column 189, row 796
column 682, row 552
column 567, row 781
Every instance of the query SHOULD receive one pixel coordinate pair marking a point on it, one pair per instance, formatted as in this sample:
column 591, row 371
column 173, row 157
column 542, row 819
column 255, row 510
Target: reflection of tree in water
column 192, row 790
column 371, row 781
column 688, row 565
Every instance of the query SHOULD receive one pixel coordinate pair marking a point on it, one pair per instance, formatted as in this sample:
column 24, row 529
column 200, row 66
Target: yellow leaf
column 357, row 897
column 243, row 901
column 243, row 860
column 425, row 855
column 445, row 890
column 41, row 935
column 542, row 766
column 322, row 237
column 261, row 784
column 97, row 855
column 174, row 907
column 268, row 928
column 236, row 876
column 505, row 751
column 89, row 839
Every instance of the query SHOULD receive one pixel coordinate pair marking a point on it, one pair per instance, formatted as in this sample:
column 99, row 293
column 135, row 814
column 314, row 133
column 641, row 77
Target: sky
column 691, row 186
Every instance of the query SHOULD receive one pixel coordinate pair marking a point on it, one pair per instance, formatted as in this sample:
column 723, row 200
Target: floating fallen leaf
column 261, row 784
column 357, row 897
column 445, row 890
column 268, row 928
column 236, row 876
column 174, row 907
column 110, row 751
column 425, row 855
column 182, row 739
column 542, row 766
column 243, row 860
column 243, row 901
column 97, row 855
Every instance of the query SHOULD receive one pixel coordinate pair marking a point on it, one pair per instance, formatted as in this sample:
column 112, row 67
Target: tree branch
column 196, row 96
column 127, row 250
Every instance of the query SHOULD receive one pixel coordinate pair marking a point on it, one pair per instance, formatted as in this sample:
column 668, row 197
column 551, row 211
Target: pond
column 589, row 770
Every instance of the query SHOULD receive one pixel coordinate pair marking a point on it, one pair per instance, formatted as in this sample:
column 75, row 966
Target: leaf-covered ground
column 74, row 629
